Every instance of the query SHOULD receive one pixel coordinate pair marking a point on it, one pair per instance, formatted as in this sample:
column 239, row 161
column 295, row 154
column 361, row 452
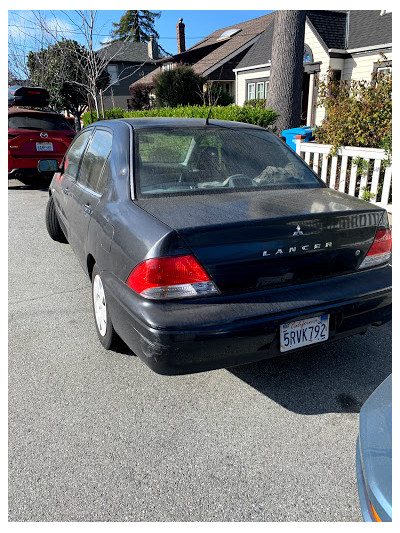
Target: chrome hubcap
column 100, row 307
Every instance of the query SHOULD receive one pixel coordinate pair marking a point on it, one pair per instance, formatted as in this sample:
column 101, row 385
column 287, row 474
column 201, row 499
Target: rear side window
column 74, row 154
column 94, row 160
column 38, row 121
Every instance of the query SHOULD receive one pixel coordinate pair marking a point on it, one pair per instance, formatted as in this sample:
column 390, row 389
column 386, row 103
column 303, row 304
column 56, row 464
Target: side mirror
column 48, row 165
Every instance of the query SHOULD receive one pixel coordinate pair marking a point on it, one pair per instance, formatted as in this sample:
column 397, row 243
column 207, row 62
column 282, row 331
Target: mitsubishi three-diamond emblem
column 298, row 231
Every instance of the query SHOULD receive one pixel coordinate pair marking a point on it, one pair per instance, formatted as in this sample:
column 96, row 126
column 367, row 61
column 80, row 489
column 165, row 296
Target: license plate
column 44, row 147
column 304, row 332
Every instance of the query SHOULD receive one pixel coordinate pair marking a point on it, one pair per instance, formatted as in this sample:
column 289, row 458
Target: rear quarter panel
column 121, row 233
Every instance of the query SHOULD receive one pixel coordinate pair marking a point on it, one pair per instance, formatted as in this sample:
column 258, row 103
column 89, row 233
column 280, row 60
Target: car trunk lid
column 255, row 240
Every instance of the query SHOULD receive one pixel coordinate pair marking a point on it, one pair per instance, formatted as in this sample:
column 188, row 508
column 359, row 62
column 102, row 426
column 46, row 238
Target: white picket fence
column 330, row 167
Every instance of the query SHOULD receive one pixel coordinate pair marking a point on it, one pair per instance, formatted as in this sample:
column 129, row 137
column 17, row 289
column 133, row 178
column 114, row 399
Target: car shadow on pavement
column 334, row 378
column 22, row 187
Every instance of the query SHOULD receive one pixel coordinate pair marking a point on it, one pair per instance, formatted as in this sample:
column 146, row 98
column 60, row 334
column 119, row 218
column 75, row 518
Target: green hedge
column 250, row 115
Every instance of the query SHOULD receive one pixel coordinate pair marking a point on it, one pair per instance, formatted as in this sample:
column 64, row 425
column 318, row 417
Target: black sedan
column 212, row 244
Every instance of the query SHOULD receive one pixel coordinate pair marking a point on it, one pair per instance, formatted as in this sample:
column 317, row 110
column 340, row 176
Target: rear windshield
column 37, row 121
column 196, row 160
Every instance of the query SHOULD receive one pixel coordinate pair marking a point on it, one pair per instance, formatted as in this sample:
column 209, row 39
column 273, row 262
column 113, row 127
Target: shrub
column 179, row 86
column 215, row 95
column 140, row 96
column 256, row 102
column 251, row 115
column 359, row 113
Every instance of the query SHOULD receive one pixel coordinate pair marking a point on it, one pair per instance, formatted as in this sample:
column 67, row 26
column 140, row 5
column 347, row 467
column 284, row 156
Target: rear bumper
column 28, row 166
column 183, row 337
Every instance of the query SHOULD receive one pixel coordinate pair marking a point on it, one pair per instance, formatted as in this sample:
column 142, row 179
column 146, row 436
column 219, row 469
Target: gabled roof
column 250, row 30
column 209, row 53
column 126, row 52
column 365, row 28
column 330, row 25
column 260, row 52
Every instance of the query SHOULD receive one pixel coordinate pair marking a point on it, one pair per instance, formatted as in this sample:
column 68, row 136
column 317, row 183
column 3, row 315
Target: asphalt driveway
column 97, row 436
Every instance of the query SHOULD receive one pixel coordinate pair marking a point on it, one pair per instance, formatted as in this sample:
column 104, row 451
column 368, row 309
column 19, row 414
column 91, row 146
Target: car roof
column 16, row 109
column 173, row 122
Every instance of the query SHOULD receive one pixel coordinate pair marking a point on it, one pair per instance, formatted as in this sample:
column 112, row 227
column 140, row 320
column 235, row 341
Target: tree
column 179, row 86
column 284, row 94
column 137, row 26
column 61, row 69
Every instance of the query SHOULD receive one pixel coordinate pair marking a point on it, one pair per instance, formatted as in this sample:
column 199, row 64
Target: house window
column 251, row 91
column 260, row 89
column 307, row 54
column 167, row 66
column 113, row 72
column 384, row 70
column 266, row 89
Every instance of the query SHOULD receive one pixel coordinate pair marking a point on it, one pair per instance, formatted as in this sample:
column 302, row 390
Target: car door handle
column 87, row 209
column 66, row 191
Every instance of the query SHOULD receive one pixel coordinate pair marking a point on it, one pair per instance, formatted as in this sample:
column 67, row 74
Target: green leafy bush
column 250, row 115
column 255, row 102
column 359, row 113
column 179, row 86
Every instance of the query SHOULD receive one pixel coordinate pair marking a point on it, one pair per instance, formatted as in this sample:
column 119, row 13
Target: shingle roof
column 126, row 52
column 260, row 52
column 209, row 52
column 331, row 26
column 368, row 28
column 249, row 30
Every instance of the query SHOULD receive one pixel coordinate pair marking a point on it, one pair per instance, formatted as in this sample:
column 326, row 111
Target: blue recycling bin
column 289, row 135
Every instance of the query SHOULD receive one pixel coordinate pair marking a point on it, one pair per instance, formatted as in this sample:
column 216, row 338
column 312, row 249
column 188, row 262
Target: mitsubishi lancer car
column 211, row 244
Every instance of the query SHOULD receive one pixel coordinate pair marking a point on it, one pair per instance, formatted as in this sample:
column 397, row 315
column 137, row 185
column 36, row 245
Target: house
column 216, row 56
column 351, row 43
column 128, row 61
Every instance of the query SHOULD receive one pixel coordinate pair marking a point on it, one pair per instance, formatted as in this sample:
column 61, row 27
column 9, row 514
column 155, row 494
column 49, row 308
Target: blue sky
column 198, row 24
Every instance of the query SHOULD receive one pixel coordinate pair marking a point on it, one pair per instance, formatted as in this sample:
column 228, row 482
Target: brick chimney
column 152, row 48
column 180, row 34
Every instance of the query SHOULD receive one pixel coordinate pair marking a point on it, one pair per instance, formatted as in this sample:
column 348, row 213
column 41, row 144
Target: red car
column 35, row 134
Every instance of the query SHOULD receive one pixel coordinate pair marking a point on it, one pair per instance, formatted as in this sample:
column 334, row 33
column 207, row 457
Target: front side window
column 94, row 160
column 203, row 159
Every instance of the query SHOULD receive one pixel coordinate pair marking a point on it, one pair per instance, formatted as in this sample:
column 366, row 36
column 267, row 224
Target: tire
column 102, row 320
column 52, row 223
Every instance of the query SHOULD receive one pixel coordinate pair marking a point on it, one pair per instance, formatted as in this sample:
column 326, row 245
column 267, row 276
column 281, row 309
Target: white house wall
column 242, row 77
column 360, row 67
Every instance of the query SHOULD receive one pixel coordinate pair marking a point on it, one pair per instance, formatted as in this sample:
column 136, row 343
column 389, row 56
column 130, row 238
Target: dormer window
column 228, row 34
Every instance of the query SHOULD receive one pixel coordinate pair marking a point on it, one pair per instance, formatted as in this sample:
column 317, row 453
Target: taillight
column 380, row 250
column 12, row 135
column 171, row 277
column 375, row 514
